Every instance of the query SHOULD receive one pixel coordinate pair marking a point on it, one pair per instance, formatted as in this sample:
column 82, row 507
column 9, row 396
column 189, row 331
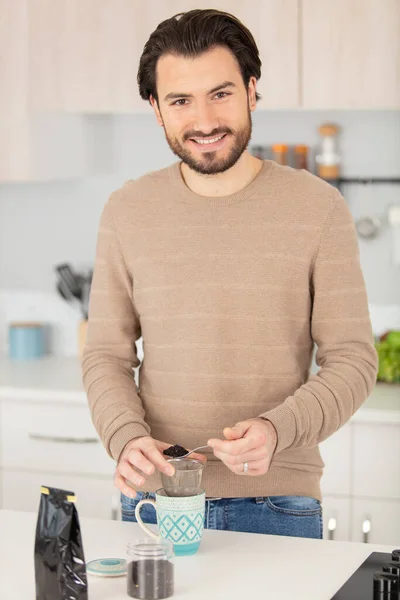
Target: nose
column 205, row 118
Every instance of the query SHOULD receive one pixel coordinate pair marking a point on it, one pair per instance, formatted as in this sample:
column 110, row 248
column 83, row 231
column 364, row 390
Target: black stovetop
column 360, row 585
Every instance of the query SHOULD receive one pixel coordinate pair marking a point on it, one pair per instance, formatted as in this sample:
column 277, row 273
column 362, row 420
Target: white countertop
column 228, row 565
column 42, row 379
column 52, row 379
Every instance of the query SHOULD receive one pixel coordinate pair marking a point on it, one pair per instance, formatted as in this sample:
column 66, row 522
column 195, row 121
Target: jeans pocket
column 128, row 505
column 294, row 505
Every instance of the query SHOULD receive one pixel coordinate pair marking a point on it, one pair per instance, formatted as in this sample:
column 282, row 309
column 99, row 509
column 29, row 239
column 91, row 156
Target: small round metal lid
column 107, row 567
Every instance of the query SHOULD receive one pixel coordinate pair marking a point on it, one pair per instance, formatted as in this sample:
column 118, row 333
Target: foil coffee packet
column 60, row 568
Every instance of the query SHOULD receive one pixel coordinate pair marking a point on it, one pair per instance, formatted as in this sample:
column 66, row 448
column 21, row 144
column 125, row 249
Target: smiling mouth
column 205, row 141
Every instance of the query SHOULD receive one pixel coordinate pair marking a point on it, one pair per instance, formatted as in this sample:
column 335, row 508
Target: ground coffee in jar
column 150, row 574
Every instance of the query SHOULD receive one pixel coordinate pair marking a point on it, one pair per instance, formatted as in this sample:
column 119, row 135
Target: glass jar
column 150, row 569
column 280, row 153
column 301, row 157
column 328, row 159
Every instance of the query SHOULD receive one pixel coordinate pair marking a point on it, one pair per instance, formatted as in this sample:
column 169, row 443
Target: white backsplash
column 46, row 308
column 63, row 319
column 43, row 224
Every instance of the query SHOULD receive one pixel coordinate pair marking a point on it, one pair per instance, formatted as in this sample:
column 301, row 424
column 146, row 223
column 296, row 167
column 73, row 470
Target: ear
column 251, row 91
column 156, row 109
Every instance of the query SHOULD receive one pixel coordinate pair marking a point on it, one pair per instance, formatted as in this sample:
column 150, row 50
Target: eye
column 221, row 94
column 179, row 102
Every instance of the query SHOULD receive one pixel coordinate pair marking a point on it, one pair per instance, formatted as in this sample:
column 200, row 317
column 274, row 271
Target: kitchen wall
column 42, row 224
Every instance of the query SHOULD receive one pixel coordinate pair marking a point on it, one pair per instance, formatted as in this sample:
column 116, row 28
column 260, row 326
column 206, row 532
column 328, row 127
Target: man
column 230, row 268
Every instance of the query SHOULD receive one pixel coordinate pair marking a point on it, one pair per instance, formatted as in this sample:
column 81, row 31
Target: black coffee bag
column 60, row 569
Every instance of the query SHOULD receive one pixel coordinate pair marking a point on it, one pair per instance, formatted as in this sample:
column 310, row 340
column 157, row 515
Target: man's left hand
column 252, row 441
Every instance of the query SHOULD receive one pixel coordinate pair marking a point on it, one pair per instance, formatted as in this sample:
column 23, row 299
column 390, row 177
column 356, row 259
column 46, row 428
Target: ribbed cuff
column 284, row 421
column 122, row 436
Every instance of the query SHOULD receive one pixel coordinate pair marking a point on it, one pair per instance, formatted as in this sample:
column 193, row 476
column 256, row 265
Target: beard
column 209, row 163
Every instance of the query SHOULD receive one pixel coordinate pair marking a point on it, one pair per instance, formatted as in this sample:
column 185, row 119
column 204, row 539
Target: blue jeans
column 298, row 516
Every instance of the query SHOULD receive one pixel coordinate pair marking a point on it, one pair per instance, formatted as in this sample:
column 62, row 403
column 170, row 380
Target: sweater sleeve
column 110, row 355
column 341, row 329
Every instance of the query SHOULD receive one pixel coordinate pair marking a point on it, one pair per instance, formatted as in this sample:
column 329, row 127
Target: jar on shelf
column 150, row 569
column 328, row 159
column 280, row 152
column 258, row 152
column 301, row 156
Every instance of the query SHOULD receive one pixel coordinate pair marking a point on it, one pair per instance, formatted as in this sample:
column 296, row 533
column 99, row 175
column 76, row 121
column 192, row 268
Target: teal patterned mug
column 180, row 519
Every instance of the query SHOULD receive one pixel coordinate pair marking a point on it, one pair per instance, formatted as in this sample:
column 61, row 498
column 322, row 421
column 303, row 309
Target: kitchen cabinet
column 274, row 25
column 350, row 54
column 336, row 454
column 14, row 96
column 315, row 53
column 86, row 54
column 51, row 437
column 33, row 147
column 376, row 521
column 376, row 460
column 54, row 444
column 336, row 518
column 361, row 480
column 68, row 56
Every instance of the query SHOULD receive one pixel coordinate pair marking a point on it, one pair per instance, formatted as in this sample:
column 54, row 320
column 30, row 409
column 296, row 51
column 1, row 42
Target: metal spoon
column 194, row 450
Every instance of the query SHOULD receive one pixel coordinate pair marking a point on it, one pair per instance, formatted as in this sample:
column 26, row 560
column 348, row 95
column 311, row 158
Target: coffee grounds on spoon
column 175, row 451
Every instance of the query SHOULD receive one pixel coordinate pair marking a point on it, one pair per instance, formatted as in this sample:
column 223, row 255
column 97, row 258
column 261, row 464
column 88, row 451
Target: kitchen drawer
column 376, row 460
column 51, row 437
column 96, row 498
column 376, row 521
column 336, row 454
column 336, row 515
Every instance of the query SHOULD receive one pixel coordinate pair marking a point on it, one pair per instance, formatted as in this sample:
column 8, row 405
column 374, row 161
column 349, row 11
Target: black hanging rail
column 367, row 180
column 338, row 183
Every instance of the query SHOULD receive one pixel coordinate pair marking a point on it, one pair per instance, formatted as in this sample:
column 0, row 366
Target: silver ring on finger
column 245, row 467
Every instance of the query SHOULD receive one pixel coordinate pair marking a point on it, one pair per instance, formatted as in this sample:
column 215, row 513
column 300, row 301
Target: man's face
column 205, row 109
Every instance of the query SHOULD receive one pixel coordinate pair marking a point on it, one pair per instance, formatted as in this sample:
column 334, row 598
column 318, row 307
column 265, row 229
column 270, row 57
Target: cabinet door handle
column 366, row 528
column 332, row 524
column 63, row 440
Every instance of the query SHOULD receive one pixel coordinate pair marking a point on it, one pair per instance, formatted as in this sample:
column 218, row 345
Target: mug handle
column 139, row 518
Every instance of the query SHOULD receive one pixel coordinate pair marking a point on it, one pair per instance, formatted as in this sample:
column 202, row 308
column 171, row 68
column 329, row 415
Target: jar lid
column 25, row 324
column 107, row 567
column 280, row 148
column 328, row 129
column 301, row 148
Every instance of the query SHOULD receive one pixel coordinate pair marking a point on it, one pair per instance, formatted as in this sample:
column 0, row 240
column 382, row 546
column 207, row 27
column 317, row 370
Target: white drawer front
column 336, row 454
column 376, row 460
column 336, row 514
column 51, row 437
column 96, row 498
column 376, row 521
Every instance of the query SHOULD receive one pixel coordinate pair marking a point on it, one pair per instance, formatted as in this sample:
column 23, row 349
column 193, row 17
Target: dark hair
column 192, row 33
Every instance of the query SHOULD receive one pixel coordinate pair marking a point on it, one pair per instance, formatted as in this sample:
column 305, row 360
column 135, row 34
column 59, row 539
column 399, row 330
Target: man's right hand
column 143, row 454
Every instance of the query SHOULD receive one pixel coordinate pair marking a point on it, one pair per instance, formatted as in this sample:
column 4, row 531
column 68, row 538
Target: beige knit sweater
column 229, row 294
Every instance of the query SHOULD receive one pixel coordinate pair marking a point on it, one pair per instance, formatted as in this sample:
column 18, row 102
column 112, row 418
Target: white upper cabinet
column 274, row 25
column 14, row 91
column 350, row 54
column 32, row 147
column 87, row 53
